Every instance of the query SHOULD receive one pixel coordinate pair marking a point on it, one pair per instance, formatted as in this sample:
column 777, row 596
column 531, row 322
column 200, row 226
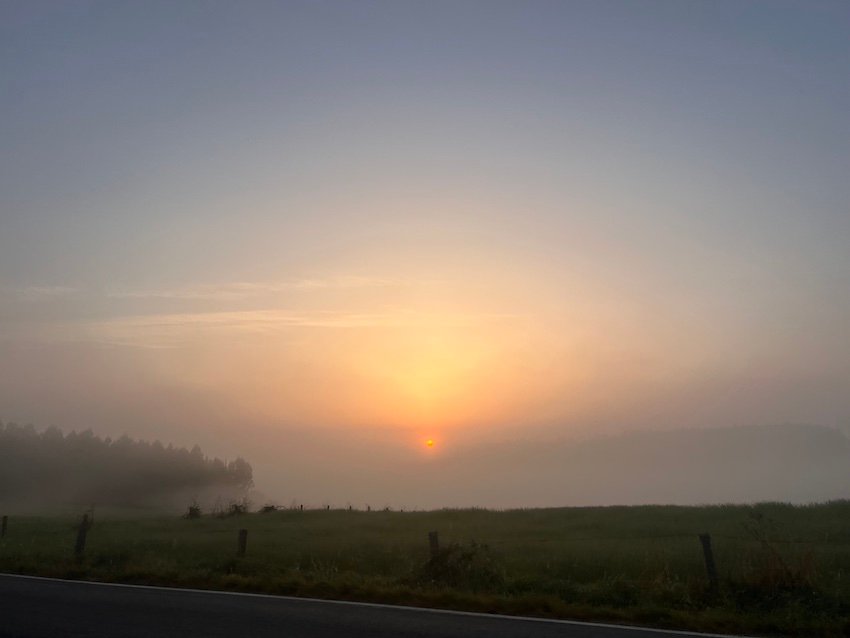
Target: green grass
column 784, row 570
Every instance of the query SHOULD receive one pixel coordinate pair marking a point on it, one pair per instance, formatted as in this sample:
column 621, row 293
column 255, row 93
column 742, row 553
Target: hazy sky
column 248, row 223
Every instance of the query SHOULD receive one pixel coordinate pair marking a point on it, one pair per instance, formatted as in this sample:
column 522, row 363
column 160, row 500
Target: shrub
column 194, row 511
column 471, row 566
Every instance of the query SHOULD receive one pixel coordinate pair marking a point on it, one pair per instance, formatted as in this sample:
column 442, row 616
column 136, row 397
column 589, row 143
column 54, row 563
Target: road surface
column 46, row 608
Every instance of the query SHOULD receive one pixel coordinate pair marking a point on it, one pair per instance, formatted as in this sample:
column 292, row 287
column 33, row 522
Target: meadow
column 782, row 569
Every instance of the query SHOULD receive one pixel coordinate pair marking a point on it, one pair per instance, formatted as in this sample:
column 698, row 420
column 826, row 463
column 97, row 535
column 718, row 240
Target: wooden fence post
column 82, row 530
column 243, row 542
column 434, row 543
column 710, row 567
column 3, row 526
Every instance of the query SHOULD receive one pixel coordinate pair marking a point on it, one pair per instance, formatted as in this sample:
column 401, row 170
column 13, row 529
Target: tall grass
column 783, row 569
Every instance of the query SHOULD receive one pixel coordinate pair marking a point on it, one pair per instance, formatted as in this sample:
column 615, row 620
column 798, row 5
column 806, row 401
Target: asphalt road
column 42, row 608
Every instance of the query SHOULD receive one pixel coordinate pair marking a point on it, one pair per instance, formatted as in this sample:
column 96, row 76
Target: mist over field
column 50, row 472
column 576, row 246
column 786, row 463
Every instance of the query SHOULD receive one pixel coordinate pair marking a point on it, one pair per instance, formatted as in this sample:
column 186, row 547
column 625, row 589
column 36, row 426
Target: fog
column 50, row 471
column 677, row 443
column 316, row 235
column 797, row 464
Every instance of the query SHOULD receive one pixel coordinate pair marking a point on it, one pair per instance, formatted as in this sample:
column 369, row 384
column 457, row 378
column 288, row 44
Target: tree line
column 47, row 469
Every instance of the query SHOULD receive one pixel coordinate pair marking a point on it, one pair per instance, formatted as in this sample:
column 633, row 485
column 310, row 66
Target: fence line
column 683, row 536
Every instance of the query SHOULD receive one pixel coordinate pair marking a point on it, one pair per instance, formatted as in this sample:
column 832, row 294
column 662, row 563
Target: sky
column 318, row 234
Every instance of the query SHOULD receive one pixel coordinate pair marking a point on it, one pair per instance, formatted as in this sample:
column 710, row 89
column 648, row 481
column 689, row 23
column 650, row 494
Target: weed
column 194, row 510
column 470, row 566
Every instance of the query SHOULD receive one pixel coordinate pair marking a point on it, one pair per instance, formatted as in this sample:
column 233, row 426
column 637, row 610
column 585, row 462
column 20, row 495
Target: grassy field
column 783, row 570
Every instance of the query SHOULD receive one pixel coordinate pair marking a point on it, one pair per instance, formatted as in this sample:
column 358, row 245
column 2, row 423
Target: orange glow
column 438, row 357
column 430, row 442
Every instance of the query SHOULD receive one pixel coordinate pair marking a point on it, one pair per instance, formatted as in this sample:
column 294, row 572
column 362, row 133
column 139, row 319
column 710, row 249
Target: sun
column 430, row 442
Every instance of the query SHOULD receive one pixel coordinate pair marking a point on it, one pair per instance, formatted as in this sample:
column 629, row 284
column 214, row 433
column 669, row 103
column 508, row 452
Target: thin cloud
column 36, row 293
column 245, row 290
column 171, row 330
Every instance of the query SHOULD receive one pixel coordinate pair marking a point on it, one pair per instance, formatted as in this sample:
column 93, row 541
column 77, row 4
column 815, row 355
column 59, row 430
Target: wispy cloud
column 150, row 327
column 36, row 293
column 244, row 290
column 173, row 330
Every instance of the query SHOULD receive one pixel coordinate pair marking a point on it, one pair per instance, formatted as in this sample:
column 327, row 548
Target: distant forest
column 48, row 469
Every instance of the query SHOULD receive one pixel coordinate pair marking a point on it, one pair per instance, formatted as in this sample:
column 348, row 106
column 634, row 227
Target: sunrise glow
column 345, row 238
